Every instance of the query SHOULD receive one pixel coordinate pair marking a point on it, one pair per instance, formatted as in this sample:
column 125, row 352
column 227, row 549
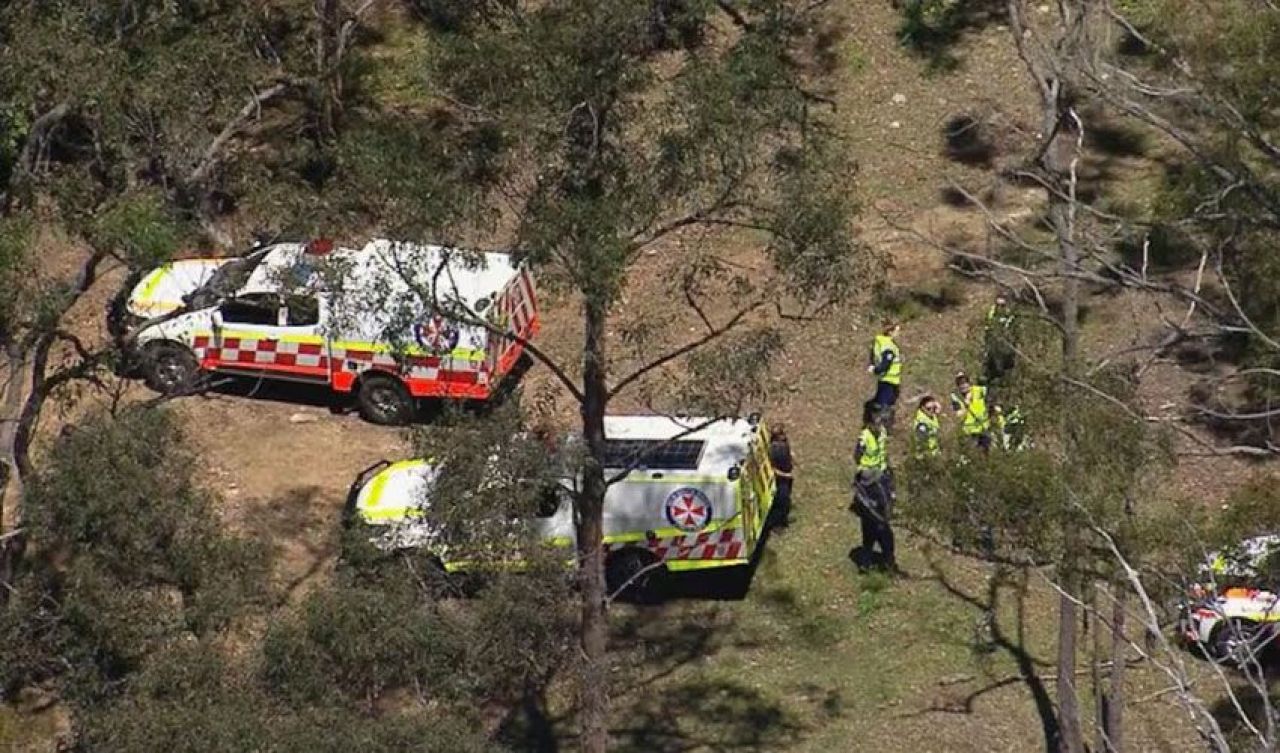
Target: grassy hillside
column 816, row 657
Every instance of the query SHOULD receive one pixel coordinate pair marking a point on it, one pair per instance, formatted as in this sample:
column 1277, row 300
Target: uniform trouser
column 872, row 506
column 886, row 394
column 782, row 499
column 982, row 439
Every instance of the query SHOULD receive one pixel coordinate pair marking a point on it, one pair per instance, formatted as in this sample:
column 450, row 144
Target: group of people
column 982, row 422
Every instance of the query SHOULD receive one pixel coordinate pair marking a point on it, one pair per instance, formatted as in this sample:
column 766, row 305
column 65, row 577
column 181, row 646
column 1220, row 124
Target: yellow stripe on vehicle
column 686, row 565
column 715, row 526
column 457, row 354
column 152, row 281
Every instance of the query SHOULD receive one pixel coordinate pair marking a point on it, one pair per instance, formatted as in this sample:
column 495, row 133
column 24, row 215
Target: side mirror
column 217, row 317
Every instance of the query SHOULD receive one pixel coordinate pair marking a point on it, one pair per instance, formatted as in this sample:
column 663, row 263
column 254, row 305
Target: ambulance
column 363, row 321
column 693, row 494
column 1232, row 611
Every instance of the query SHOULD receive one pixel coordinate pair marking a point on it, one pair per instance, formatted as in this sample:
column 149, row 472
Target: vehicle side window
column 255, row 308
column 304, row 311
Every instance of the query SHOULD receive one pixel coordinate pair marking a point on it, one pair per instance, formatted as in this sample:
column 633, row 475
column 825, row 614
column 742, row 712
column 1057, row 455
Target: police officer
column 925, row 428
column 873, row 486
column 1009, row 427
column 999, row 354
column 783, row 473
column 969, row 403
column 886, row 365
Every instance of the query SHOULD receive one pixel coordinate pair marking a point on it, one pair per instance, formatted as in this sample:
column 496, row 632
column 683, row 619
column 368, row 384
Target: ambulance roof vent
column 679, row 455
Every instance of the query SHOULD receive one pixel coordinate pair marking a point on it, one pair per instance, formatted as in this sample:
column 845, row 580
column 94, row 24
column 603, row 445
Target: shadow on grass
column 661, row 700
column 933, row 29
column 996, row 640
column 297, row 517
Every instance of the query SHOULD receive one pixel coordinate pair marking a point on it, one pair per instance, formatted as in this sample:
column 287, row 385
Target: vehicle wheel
column 1238, row 642
column 385, row 400
column 170, row 368
column 631, row 571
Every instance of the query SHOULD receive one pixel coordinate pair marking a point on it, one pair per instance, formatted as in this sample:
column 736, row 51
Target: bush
column 125, row 554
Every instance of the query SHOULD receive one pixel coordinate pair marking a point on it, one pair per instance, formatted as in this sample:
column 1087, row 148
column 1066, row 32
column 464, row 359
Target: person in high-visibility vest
column 873, row 488
column 969, row 403
column 886, row 365
column 1009, row 427
column 999, row 354
column 926, row 428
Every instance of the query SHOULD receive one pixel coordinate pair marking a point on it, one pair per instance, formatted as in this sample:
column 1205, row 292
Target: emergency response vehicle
column 1231, row 614
column 363, row 322
column 696, row 496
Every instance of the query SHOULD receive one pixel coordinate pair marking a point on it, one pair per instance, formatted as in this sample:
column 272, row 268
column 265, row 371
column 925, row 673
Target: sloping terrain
column 816, row 657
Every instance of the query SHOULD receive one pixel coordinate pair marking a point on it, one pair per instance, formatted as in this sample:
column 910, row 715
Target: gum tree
column 680, row 138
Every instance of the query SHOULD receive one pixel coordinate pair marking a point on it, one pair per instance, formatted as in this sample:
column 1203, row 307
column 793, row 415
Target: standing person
column 886, row 365
column 783, row 474
column 873, row 490
column 999, row 354
column 969, row 403
column 1009, row 428
column 926, row 428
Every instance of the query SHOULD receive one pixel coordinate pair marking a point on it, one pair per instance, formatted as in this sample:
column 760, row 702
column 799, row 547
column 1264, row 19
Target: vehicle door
column 268, row 334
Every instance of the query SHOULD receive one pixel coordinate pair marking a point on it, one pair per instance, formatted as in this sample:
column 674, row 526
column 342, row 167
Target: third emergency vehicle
column 372, row 321
column 696, row 496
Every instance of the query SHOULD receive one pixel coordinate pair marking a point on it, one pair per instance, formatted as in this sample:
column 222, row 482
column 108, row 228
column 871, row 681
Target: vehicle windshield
column 226, row 280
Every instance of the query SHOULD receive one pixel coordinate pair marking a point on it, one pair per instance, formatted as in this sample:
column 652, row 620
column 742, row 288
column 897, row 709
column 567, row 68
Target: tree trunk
column 1099, row 648
column 10, row 478
column 328, row 84
column 594, row 700
column 1063, row 221
column 1114, row 720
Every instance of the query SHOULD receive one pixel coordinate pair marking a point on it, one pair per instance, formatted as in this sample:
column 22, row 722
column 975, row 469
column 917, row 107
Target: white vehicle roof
column 386, row 267
column 669, row 442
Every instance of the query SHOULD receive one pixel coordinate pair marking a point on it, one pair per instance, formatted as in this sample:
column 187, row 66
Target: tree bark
column 1054, row 161
column 1114, row 720
column 594, row 702
column 328, row 83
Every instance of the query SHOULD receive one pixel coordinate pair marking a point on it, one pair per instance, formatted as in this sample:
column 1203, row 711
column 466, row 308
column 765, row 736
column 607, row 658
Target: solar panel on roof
column 679, row 455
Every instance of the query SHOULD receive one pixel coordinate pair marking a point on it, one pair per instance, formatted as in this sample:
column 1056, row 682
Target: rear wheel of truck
column 631, row 574
column 170, row 368
column 385, row 400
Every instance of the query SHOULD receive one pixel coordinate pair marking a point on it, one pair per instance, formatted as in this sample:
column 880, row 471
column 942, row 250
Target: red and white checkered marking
column 726, row 544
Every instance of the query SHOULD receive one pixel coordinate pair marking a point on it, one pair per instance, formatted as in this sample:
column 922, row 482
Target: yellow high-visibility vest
column 875, row 454
column 976, row 420
column 883, row 344
column 926, row 440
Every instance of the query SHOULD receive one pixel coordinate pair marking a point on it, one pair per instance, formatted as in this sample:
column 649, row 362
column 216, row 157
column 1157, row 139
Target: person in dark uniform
column 783, row 474
column 873, row 488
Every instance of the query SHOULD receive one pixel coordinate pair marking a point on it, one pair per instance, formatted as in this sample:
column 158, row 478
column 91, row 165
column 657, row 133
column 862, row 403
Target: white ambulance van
column 357, row 320
column 697, row 496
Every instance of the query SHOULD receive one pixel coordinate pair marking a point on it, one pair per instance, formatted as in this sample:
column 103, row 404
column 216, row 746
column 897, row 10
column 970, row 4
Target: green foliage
column 130, row 556
column 138, row 228
column 359, row 642
column 1227, row 195
column 606, row 138
column 191, row 698
column 1089, row 456
column 15, row 271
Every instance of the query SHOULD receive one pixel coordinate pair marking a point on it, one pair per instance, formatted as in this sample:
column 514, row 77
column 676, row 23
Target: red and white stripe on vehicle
column 515, row 311
column 724, row 544
column 342, row 364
